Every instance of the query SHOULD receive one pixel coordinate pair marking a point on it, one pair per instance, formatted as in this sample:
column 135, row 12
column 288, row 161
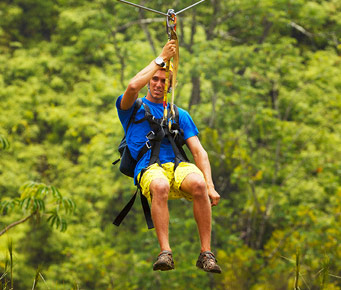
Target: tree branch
column 267, row 26
column 300, row 29
column 17, row 223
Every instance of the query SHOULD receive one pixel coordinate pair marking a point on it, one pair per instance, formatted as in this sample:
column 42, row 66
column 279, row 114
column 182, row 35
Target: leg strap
column 127, row 208
column 146, row 211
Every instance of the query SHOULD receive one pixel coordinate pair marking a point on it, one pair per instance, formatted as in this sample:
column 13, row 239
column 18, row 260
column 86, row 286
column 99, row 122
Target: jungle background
column 262, row 81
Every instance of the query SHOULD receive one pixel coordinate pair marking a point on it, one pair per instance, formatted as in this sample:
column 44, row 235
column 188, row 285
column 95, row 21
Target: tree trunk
column 145, row 29
column 195, row 96
column 214, row 20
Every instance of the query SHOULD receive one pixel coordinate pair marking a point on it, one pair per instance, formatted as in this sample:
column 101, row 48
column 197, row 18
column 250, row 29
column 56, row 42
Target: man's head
column 156, row 85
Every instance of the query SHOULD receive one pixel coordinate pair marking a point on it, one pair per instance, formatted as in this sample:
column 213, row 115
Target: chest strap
column 158, row 133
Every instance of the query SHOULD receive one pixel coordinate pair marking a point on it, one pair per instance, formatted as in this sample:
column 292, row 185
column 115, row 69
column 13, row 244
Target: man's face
column 157, row 86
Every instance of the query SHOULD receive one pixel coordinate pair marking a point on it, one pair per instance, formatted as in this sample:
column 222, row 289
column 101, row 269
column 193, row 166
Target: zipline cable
column 142, row 7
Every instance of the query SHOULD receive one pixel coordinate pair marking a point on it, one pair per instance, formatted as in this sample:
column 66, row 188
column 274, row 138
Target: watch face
column 159, row 61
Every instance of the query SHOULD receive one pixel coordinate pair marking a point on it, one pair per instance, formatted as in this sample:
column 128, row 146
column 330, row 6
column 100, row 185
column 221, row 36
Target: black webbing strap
column 145, row 204
column 154, row 155
column 137, row 106
column 116, row 161
column 146, row 210
column 125, row 210
column 179, row 156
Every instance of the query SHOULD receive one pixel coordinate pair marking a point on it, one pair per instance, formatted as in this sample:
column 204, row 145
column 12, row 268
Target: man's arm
column 144, row 76
column 201, row 160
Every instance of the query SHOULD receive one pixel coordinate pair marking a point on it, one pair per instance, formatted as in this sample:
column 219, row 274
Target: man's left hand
column 214, row 196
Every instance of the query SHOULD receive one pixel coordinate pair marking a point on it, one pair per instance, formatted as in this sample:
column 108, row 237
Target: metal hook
column 171, row 22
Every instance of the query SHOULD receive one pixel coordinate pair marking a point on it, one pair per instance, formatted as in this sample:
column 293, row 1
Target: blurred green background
column 262, row 81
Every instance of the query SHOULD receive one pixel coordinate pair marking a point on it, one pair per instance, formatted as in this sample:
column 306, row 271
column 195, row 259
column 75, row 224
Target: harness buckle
column 148, row 145
column 150, row 135
column 175, row 132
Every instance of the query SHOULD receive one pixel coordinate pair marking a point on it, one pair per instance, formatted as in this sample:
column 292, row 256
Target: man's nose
column 159, row 83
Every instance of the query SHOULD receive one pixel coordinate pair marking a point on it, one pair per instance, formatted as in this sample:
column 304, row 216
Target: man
column 160, row 183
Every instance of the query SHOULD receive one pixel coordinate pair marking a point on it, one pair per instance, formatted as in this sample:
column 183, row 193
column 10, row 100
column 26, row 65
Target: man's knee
column 159, row 188
column 198, row 187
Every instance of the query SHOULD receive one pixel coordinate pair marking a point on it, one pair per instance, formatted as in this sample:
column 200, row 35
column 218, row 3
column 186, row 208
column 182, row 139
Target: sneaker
column 208, row 262
column 164, row 261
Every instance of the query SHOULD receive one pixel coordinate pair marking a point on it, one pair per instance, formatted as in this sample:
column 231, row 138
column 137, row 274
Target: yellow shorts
column 174, row 178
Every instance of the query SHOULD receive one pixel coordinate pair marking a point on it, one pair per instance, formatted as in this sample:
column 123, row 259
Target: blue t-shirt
column 136, row 135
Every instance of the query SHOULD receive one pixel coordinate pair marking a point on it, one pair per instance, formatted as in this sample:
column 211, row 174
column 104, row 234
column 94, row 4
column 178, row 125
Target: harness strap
column 145, row 206
column 147, row 117
column 154, row 155
column 178, row 156
column 137, row 106
column 146, row 210
column 125, row 210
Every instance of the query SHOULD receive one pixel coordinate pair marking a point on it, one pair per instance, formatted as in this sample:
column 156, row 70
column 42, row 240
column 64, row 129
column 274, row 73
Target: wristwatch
column 159, row 61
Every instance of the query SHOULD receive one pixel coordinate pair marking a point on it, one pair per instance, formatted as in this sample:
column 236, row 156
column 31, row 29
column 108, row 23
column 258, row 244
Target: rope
column 171, row 31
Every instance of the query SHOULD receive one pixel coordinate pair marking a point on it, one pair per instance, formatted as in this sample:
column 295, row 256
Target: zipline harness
column 166, row 127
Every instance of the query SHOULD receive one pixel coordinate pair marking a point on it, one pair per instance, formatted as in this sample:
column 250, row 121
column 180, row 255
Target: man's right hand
column 144, row 76
column 168, row 50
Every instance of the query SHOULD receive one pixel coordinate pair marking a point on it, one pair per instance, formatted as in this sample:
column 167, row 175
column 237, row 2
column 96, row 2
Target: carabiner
column 171, row 22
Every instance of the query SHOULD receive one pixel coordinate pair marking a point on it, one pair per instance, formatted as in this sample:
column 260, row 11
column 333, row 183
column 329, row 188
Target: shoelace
column 209, row 256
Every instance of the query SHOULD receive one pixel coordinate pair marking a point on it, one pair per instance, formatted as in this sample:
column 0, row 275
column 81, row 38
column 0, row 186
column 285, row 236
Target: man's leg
column 155, row 186
column 195, row 185
column 159, row 189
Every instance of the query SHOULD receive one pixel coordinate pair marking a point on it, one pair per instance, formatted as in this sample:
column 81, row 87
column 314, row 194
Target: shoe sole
column 162, row 267
column 217, row 271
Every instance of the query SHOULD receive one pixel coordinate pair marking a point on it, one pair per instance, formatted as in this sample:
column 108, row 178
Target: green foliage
column 39, row 199
column 4, row 142
column 6, row 279
column 268, row 112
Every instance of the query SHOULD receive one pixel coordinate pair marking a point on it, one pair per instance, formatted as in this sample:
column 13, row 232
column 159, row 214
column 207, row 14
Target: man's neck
column 152, row 99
